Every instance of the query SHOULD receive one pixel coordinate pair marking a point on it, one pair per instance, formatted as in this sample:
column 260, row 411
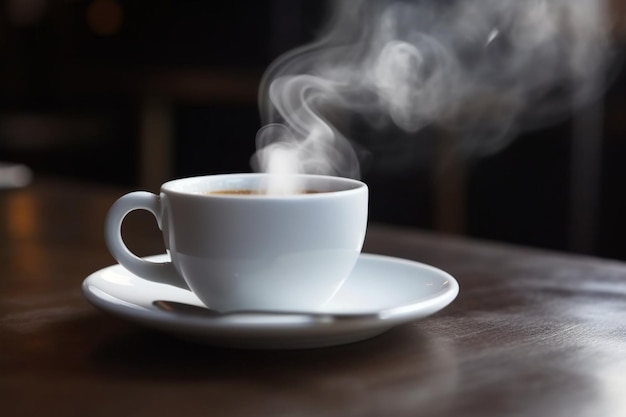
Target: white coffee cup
column 257, row 251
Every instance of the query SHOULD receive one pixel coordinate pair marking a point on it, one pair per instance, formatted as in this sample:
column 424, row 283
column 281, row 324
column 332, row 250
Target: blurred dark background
column 134, row 93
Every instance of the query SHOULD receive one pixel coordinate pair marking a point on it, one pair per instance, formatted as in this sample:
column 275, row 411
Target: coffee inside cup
column 254, row 192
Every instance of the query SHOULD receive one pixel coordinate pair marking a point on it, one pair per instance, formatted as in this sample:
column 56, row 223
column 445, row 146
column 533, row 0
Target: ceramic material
column 250, row 251
column 390, row 291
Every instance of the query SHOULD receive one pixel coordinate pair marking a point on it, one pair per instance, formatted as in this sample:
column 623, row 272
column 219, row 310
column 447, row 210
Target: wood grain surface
column 532, row 333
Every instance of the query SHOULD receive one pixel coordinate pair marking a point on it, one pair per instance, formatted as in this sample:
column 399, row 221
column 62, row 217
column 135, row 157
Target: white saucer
column 404, row 290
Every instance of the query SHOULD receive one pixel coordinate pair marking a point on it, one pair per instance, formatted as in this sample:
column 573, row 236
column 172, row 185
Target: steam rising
column 483, row 69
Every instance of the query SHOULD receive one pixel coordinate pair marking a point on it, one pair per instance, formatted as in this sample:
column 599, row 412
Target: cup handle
column 161, row 272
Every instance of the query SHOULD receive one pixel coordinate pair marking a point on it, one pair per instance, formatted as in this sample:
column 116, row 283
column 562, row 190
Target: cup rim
column 350, row 186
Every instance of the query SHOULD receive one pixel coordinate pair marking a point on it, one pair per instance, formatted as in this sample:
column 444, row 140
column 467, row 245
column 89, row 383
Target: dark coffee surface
column 253, row 192
column 236, row 192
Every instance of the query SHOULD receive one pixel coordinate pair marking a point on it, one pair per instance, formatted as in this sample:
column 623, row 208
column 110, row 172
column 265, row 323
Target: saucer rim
column 219, row 332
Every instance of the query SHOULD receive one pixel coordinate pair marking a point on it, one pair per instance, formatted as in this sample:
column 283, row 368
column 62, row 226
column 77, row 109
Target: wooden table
column 532, row 333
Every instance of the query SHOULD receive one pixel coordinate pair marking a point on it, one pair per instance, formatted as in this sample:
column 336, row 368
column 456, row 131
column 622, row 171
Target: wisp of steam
column 482, row 69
